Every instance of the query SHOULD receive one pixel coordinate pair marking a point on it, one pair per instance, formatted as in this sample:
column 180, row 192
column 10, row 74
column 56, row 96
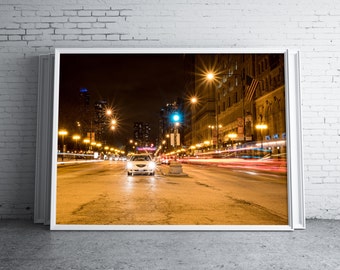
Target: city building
column 242, row 103
column 100, row 120
column 141, row 134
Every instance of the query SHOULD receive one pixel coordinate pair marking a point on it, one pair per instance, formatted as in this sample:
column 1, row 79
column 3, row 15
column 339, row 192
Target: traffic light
column 175, row 117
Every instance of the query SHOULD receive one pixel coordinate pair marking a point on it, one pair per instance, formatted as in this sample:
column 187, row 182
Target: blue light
column 175, row 117
column 83, row 90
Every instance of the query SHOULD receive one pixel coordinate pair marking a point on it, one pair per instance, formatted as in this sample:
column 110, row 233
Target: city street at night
column 221, row 116
column 102, row 193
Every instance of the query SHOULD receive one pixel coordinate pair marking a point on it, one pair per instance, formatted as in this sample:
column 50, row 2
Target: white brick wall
column 30, row 28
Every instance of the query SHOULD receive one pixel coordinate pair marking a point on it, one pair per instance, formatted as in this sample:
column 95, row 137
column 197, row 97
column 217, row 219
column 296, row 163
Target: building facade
column 242, row 104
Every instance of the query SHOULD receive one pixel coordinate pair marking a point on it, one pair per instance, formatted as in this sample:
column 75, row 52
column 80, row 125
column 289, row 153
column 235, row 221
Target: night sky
column 136, row 86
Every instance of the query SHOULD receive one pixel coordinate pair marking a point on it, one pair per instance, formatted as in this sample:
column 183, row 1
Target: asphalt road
column 102, row 193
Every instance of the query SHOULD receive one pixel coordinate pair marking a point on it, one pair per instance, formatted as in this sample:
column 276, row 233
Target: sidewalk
column 25, row 245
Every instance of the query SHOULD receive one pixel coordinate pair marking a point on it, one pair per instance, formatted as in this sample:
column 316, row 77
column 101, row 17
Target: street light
column 93, row 144
column 211, row 134
column 76, row 138
column 210, row 76
column 63, row 133
column 232, row 137
column 86, row 141
column 193, row 100
column 261, row 127
column 108, row 112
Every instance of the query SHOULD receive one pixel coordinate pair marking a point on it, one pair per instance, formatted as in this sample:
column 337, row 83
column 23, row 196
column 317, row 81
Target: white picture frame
column 295, row 198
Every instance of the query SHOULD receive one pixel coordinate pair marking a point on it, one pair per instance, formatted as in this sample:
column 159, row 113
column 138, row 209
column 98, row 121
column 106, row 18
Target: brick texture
column 30, row 28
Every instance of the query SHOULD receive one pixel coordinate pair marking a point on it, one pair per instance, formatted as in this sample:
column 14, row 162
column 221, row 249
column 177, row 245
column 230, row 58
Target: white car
column 141, row 164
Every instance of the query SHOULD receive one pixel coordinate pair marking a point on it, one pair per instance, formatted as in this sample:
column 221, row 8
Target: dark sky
column 137, row 86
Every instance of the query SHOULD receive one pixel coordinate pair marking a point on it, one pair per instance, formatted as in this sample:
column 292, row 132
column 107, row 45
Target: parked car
column 141, row 164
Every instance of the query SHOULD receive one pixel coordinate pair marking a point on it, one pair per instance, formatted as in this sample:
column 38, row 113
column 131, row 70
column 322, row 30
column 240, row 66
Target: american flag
column 252, row 84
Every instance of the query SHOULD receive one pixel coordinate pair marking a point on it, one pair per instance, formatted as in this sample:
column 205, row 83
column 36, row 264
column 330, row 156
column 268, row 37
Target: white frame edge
column 293, row 97
column 296, row 208
column 55, row 141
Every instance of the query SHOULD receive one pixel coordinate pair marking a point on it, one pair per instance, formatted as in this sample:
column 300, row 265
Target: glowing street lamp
column 108, row 112
column 93, row 143
column 210, row 76
column 76, row 138
column 63, row 133
column 193, row 100
column 261, row 127
column 86, row 141
column 232, row 137
column 211, row 127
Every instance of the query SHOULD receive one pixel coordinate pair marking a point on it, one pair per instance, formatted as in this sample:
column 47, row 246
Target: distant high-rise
column 85, row 117
column 100, row 120
column 141, row 133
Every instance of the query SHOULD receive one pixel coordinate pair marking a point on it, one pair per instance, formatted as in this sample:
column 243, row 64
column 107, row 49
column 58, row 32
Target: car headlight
column 152, row 165
column 129, row 165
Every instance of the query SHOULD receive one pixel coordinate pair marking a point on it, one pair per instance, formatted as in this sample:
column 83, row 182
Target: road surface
column 102, row 193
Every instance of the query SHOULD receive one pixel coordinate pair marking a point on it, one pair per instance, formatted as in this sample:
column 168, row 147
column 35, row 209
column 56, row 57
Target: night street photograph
column 171, row 139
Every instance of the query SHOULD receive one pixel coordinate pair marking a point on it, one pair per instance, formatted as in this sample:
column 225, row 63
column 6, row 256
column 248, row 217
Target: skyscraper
column 141, row 133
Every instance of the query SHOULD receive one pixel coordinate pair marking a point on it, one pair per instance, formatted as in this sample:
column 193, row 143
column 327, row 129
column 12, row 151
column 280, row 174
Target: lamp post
column 63, row 133
column 232, row 137
column 113, row 124
column 93, row 144
column 210, row 76
column 112, row 121
column 261, row 127
column 86, row 141
column 76, row 138
column 211, row 127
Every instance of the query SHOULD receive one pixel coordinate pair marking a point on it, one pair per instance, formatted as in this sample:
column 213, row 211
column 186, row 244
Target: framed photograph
column 176, row 139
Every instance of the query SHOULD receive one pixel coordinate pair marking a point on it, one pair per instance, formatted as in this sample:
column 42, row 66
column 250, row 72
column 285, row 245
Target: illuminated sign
column 146, row 148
